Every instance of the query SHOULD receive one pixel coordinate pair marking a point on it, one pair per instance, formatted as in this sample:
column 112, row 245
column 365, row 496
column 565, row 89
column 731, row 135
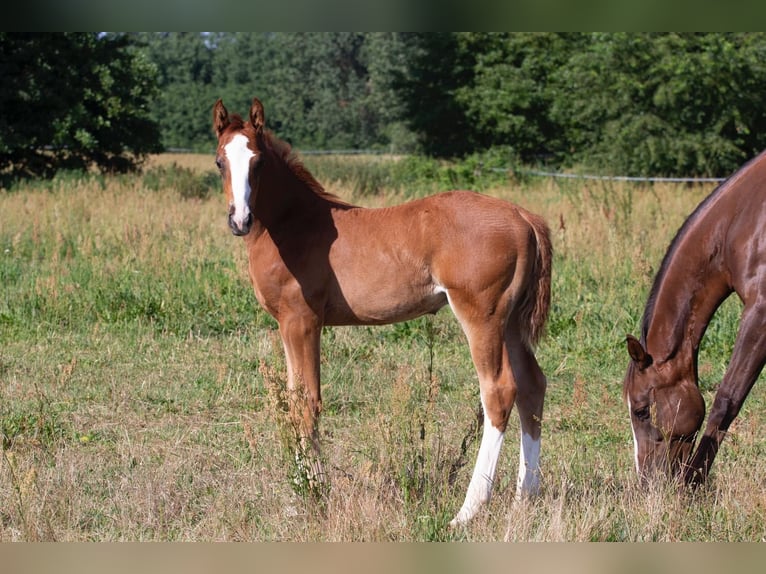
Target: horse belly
column 382, row 303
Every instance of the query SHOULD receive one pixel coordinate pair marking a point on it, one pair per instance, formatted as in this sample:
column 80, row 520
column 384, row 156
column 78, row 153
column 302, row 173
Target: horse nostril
column 241, row 229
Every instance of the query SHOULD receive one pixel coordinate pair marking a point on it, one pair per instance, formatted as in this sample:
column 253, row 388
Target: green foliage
column 663, row 104
column 623, row 103
column 188, row 183
column 320, row 90
column 185, row 96
column 321, row 103
column 508, row 100
column 71, row 100
column 437, row 68
column 652, row 104
column 414, row 175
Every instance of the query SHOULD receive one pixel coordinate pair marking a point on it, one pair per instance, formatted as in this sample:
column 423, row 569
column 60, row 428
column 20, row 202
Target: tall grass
column 139, row 380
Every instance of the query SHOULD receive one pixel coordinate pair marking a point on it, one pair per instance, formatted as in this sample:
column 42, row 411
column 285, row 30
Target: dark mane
column 682, row 231
column 283, row 151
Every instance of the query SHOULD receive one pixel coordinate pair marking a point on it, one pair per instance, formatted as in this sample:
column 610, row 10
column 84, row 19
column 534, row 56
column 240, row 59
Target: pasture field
column 139, row 381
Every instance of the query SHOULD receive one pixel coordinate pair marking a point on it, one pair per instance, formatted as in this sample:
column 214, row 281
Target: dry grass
column 138, row 384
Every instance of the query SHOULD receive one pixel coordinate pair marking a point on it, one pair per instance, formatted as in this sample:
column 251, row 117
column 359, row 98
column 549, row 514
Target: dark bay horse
column 315, row 260
column 719, row 250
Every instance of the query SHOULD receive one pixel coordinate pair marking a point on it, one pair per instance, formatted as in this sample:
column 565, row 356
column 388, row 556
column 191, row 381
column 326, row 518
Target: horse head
column 666, row 410
column 237, row 158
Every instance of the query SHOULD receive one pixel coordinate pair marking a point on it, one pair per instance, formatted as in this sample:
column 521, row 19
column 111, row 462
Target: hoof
column 463, row 517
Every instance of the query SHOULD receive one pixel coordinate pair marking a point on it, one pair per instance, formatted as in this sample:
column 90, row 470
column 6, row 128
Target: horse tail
column 537, row 302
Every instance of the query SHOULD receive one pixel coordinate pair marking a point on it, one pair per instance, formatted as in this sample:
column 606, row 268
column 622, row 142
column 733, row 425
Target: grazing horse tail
column 536, row 303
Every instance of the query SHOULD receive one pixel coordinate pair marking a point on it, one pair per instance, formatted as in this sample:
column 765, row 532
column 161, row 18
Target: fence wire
column 554, row 174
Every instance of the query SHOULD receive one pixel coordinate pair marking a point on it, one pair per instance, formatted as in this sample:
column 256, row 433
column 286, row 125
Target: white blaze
column 635, row 442
column 239, row 156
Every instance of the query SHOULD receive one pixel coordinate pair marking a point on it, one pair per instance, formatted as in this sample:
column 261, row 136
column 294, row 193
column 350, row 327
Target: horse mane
column 284, row 152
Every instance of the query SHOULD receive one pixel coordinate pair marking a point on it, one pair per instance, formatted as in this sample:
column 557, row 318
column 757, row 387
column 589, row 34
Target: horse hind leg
column 498, row 393
column 531, row 384
column 508, row 374
column 480, row 488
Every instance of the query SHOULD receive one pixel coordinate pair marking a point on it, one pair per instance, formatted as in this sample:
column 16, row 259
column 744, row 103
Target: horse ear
column 638, row 353
column 256, row 116
column 220, row 118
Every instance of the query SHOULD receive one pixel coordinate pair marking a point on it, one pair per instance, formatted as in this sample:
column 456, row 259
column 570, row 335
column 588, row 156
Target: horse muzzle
column 667, row 460
column 243, row 228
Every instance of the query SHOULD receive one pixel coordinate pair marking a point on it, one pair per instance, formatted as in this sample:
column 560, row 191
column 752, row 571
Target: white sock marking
column 528, row 482
column 480, row 487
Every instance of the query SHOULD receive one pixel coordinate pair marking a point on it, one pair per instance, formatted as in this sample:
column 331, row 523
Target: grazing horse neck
column 692, row 282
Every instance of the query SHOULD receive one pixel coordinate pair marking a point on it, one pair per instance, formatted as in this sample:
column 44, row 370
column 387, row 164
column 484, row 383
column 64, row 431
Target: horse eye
column 642, row 414
column 219, row 163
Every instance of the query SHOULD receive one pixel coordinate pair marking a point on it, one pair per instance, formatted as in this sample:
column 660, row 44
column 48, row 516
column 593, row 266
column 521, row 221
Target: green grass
column 139, row 381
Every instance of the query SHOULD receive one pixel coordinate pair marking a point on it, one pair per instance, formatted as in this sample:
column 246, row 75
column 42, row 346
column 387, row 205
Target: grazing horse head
column 237, row 158
column 666, row 411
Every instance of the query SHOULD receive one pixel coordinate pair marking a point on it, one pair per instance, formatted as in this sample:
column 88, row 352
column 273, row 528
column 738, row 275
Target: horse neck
column 691, row 285
column 281, row 195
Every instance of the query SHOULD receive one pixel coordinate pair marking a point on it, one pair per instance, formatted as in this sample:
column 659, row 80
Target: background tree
column 663, row 104
column 185, row 96
column 438, row 67
column 628, row 103
column 317, row 96
column 508, row 101
column 387, row 55
column 320, row 90
column 70, row 100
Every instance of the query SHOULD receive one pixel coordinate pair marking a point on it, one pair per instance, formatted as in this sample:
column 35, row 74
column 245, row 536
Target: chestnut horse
column 720, row 249
column 315, row 260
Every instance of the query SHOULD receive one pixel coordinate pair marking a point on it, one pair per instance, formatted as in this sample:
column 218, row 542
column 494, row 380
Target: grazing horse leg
column 747, row 361
column 301, row 336
column 498, row 393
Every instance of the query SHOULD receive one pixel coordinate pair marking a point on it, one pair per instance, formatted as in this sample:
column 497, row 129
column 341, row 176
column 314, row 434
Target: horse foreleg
column 747, row 361
column 301, row 337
